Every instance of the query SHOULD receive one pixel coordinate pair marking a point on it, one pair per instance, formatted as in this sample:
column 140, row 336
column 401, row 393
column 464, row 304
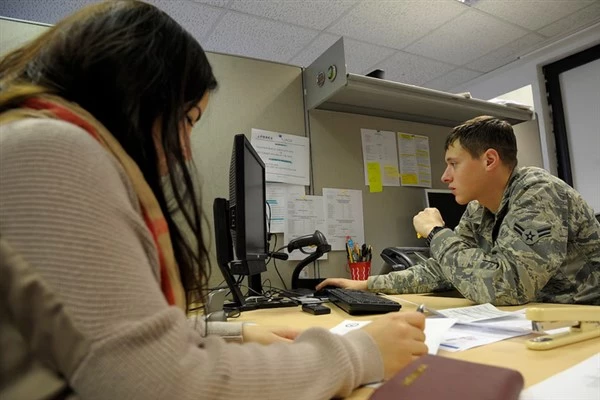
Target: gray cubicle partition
column 251, row 94
column 338, row 163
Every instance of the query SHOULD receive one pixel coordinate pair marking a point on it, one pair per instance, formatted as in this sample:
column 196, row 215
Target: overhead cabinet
column 327, row 86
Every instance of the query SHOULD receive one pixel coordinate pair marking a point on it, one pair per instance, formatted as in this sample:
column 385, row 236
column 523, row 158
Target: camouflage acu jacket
column 543, row 245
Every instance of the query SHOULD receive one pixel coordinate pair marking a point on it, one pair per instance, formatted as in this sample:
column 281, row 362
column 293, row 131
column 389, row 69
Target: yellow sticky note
column 391, row 171
column 409, row 179
column 374, row 176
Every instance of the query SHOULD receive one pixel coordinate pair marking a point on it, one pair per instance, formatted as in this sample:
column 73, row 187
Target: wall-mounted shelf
column 326, row 89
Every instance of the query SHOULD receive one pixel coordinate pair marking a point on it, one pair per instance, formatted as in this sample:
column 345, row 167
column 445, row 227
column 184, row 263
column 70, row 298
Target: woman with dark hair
column 94, row 114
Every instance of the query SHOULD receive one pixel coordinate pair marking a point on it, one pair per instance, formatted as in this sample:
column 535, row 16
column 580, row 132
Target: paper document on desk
column 477, row 313
column 464, row 337
column 581, row 382
column 348, row 325
column 487, row 325
column 513, row 321
column 435, row 329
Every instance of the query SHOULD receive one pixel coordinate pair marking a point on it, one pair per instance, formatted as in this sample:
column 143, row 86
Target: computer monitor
column 247, row 207
column 241, row 224
column 444, row 201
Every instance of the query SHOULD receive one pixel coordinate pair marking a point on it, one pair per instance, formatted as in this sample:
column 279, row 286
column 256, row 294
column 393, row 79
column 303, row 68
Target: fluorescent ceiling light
column 468, row 2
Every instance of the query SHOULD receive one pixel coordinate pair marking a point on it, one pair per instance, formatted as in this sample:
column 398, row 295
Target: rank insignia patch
column 531, row 236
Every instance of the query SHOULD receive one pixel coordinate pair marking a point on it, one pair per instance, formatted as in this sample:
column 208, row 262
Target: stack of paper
column 458, row 329
column 480, row 325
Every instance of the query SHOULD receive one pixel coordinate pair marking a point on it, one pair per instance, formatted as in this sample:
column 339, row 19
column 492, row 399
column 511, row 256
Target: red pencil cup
column 360, row 270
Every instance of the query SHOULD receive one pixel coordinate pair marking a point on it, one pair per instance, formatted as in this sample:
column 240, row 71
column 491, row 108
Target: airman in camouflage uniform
column 526, row 235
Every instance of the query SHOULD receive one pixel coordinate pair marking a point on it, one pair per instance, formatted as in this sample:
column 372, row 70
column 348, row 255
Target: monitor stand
column 225, row 261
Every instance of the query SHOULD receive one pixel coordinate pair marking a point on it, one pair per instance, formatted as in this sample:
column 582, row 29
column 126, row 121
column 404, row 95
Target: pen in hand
column 421, row 309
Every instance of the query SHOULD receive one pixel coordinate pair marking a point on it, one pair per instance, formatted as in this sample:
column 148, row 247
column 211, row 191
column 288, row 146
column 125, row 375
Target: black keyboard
column 356, row 302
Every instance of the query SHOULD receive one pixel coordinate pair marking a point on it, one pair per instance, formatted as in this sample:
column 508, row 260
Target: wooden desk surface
column 512, row 353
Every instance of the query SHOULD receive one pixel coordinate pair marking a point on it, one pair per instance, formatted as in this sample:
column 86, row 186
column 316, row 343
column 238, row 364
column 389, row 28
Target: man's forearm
column 421, row 278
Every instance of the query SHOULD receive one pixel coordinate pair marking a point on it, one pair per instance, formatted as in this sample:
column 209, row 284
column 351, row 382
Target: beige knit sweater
column 68, row 208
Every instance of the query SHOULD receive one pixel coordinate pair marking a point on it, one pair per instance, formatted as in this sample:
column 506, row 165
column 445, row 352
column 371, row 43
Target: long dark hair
column 129, row 64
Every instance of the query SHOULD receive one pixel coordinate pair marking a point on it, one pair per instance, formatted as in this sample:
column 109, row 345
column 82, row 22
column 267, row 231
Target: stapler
column 584, row 323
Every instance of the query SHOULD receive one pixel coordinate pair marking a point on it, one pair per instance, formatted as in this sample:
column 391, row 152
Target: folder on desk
column 434, row 377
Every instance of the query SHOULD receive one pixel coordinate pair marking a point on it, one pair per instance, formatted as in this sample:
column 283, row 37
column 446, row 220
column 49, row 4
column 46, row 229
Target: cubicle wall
column 338, row 163
column 251, row 94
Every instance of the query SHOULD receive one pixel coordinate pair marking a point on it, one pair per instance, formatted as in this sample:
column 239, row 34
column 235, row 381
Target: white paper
column 480, row 325
column 344, row 217
column 435, row 331
column 414, row 159
column 464, row 337
column 514, row 321
column 348, row 325
column 580, row 382
column 380, row 147
column 277, row 194
column 305, row 214
column 286, row 157
column 473, row 313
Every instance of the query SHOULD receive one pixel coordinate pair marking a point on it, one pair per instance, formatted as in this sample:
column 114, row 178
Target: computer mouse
column 324, row 291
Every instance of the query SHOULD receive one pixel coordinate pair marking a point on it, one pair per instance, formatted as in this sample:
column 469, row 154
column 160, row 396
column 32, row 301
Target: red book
column 435, row 377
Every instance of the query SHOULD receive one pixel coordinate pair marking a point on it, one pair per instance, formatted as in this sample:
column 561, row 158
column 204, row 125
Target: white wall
column 528, row 71
column 14, row 34
column 580, row 89
column 527, row 133
column 522, row 95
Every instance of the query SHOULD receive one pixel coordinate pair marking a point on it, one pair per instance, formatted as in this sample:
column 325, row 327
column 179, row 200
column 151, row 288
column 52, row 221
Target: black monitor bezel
column 248, row 264
column 450, row 197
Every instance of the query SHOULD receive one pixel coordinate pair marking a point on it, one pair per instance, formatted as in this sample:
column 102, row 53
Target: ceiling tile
column 412, row 69
column 395, row 23
column 581, row 18
column 466, row 38
column 316, row 14
column 314, row 50
column 50, row 12
column 250, row 36
column 452, row 79
column 531, row 14
column 360, row 57
column 506, row 54
column 215, row 3
column 198, row 19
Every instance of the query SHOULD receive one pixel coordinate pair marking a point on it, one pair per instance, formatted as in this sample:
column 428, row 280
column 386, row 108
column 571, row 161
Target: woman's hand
column 343, row 283
column 400, row 339
column 268, row 334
